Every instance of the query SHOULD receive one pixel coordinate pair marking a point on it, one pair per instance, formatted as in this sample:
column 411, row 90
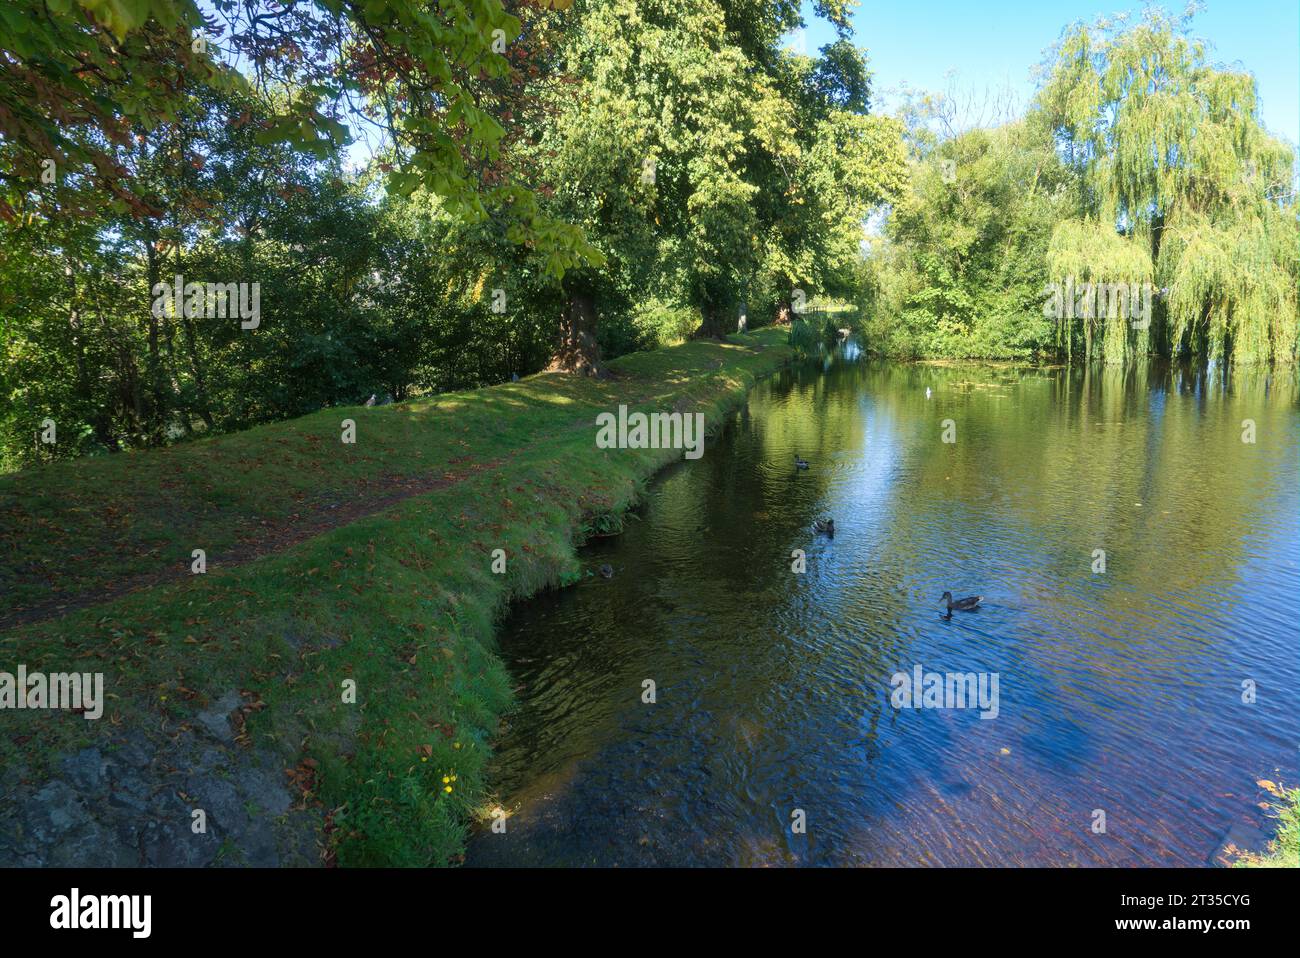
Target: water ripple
column 1119, row 691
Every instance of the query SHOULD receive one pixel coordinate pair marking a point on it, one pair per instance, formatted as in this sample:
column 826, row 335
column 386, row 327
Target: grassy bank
column 329, row 563
column 1284, row 850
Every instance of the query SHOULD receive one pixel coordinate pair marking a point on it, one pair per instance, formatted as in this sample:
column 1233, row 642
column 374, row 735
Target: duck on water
column 967, row 604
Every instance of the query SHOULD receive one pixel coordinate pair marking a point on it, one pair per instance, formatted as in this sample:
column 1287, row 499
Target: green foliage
column 659, row 162
column 1138, row 163
column 963, row 271
column 709, row 166
column 1284, row 850
column 89, row 76
column 648, row 156
column 602, row 525
column 80, row 77
column 1086, row 251
column 1233, row 284
column 663, row 323
column 803, row 337
column 1169, row 151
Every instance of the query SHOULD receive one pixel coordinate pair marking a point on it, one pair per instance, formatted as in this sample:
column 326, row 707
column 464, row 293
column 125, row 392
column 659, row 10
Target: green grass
column 1283, row 851
column 401, row 601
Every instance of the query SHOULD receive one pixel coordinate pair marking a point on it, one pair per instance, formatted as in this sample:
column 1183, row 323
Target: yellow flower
column 445, row 780
column 447, row 789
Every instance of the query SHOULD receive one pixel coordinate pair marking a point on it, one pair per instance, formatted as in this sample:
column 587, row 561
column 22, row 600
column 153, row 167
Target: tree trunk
column 153, row 414
column 578, row 351
column 84, row 388
column 713, row 325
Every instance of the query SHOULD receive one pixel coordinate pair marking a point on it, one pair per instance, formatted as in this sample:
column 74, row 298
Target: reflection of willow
column 1146, row 462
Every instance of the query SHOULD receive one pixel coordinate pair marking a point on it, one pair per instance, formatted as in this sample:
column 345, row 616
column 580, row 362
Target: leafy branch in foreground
column 79, row 78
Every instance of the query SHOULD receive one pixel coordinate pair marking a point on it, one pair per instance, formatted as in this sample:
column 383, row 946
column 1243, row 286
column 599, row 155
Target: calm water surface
column 1119, row 691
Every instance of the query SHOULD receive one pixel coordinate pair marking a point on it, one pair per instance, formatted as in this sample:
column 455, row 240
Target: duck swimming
column 961, row 605
column 825, row 527
column 800, row 463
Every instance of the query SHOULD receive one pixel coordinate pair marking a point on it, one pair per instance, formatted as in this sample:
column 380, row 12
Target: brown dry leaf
column 1271, row 788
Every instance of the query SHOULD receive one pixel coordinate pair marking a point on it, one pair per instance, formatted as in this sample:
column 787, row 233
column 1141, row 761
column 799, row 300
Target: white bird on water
column 927, row 392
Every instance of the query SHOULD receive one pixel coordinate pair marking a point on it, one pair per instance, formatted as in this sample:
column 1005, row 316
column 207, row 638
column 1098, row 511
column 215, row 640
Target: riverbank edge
column 349, row 682
column 1283, row 849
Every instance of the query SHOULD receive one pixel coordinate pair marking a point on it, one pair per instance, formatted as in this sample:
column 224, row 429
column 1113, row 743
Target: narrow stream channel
column 1119, row 691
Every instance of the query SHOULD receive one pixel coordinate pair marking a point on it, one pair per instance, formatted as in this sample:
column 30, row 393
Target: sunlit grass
column 1284, row 850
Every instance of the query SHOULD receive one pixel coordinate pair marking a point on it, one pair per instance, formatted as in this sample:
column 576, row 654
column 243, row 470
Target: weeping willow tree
column 1173, row 167
column 1102, row 281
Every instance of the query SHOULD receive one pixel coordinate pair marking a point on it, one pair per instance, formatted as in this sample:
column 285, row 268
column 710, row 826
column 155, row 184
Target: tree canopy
column 426, row 195
column 1141, row 165
column 1169, row 153
column 431, row 195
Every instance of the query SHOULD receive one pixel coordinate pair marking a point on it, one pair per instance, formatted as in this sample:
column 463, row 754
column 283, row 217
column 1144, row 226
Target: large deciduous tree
column 707, row 163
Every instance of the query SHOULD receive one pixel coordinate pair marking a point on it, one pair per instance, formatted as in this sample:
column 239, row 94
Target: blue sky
column 993, row 45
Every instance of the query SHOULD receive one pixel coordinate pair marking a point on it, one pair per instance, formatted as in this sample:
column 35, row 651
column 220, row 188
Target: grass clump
column 1284, row 850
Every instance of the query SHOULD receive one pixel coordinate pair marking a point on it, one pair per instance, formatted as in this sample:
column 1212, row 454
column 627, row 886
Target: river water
column 1121, row 692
